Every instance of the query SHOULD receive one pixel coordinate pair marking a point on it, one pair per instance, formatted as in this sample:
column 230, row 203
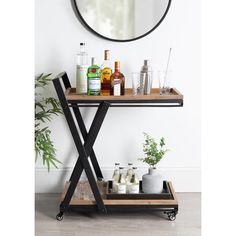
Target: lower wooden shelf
column 139, row 202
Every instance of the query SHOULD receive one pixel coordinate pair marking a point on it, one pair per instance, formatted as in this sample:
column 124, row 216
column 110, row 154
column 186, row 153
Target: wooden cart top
column 175, row 98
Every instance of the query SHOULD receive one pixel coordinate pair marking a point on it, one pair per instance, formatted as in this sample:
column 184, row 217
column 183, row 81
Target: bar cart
column 71, row 102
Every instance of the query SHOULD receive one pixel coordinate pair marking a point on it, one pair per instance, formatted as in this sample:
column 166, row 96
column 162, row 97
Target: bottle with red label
column 94, row 79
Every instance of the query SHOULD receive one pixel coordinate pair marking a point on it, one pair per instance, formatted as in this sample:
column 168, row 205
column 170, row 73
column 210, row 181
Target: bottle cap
column 121, row 168
column 107, row 54
column 81, row 44
column 146, row 62
column 117, row 65
column 130, row 164
column 134, row 167
column 117, row 164
column 93, row 59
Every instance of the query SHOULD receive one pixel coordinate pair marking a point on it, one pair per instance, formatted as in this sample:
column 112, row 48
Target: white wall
column 58, row 34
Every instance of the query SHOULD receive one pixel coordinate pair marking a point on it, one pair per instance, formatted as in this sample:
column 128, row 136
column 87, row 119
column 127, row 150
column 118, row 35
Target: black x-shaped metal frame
column 85, row 150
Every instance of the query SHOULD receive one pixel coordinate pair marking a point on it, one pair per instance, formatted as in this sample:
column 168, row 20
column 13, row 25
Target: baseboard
column 184, row 179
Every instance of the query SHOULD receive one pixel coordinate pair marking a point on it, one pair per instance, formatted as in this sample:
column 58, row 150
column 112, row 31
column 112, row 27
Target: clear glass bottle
column 115, row 178
column 94, row 80
column 106, row 73
column 101, row 186
column 129, row 172
column 134, row 182
column 121, row 182
column 117, row 81
column 81, row 70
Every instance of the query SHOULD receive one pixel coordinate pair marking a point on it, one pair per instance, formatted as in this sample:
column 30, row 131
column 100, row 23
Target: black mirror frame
column 81, row 19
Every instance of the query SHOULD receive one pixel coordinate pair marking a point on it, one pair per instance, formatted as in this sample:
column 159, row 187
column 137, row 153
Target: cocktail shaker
column 146, row 71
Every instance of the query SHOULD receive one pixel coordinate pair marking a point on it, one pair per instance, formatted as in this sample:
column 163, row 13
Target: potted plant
column 45, row 108
column 154, row 152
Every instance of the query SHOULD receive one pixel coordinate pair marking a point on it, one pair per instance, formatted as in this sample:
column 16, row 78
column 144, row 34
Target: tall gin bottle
column 81, row 70
column 94, row 79
column 106, row 73
column 117, row 81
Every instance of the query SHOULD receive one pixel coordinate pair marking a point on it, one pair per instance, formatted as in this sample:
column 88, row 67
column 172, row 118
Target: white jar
column 152, row 182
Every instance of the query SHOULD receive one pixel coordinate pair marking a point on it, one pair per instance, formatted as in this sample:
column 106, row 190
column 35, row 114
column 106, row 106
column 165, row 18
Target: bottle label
column 81, row 79
column 121, row 188
column 94, row 85
column 134, row 188
column 106, row 74
column 116, row 87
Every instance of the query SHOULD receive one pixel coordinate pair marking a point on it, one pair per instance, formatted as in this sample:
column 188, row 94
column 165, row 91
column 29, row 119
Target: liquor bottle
column 106, row 73
column 81, row 70
column 121, row 182
column 117, row 81
column 94, row 80
column 115, row 178
column 134, row 182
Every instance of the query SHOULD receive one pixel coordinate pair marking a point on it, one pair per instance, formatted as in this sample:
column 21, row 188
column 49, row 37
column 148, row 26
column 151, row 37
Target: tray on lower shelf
column 166, row 193
column 125, row 202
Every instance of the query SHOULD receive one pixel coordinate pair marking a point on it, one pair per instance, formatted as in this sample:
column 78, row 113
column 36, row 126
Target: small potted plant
column 154, row 152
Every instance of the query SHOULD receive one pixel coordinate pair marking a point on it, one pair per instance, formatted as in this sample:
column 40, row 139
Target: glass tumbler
column 164, row 79
column 138, row 83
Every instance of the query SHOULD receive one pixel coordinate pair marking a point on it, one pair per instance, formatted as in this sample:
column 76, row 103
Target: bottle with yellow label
column 106, row 73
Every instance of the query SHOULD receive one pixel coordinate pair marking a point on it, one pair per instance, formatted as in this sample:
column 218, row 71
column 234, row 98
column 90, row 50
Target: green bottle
column 94, row 79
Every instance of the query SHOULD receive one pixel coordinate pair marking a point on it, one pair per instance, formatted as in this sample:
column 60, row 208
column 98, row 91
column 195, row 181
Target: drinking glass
column 164, row 79
column 138, row 83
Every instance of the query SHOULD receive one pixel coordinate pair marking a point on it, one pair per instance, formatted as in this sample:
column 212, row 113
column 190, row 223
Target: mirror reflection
column 122, row 19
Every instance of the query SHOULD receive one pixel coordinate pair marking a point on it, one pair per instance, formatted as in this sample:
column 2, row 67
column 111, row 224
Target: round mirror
column 121, row 20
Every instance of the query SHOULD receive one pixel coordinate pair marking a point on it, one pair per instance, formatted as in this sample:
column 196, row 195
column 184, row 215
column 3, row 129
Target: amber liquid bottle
column 106, row 72
column 117, row 81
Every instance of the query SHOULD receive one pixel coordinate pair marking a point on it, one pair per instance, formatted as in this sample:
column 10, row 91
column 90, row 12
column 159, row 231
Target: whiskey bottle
column 81, row 70
column 94, row 80
column 117, row 81
column 106, row 73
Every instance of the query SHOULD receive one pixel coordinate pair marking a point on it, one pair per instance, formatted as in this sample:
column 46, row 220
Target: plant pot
column 152, row 182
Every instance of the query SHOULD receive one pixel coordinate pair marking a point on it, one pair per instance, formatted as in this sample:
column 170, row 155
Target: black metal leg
column 82, row 127
column 82, row 162
column 91, row 137
column 85, row 136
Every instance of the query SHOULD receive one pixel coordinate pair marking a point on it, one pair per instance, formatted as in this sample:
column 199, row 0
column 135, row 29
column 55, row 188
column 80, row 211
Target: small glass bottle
column 117, row 81
column 81, row 70
column 134, row 182
column 94, row 80
column 129, row 172
column 121, row 181
column 106, row 73
column 115, row 178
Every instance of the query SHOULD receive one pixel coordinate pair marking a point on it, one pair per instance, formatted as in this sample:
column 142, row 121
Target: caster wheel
column 59, row 216
column 172, row 216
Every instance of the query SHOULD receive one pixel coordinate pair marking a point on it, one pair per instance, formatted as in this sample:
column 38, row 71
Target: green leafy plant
column 153, row 151
column 45, row 108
